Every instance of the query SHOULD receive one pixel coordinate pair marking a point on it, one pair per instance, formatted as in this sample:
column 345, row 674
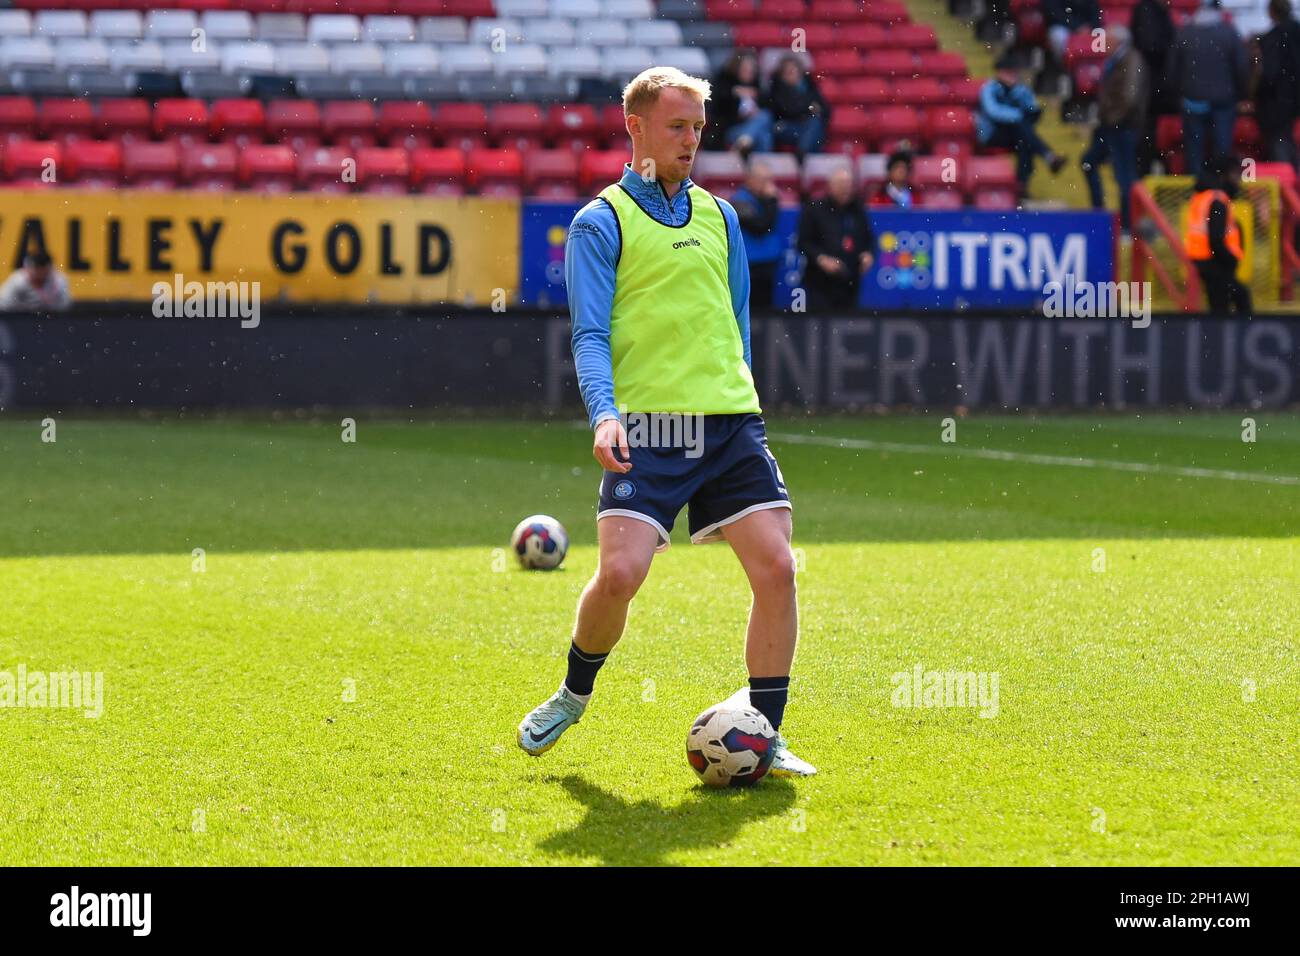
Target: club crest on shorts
column 624, row 490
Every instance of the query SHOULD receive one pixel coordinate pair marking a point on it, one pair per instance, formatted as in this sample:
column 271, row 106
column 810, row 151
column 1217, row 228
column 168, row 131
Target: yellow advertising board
column 301, row 247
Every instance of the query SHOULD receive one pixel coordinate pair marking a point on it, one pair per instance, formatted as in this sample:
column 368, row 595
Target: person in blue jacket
column 1007, row 114
column 758, row 209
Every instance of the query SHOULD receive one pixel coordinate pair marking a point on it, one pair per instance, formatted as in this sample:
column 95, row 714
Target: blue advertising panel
column 986, row 260
column 926, row 260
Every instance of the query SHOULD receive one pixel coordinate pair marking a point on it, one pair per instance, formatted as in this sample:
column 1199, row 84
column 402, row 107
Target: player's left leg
column 761, row 540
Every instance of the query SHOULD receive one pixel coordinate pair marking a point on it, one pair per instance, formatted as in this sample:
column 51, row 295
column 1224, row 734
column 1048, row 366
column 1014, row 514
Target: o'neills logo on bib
column 686, row 242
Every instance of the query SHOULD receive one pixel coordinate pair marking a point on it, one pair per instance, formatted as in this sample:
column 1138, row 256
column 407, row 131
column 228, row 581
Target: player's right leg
column 627, row 546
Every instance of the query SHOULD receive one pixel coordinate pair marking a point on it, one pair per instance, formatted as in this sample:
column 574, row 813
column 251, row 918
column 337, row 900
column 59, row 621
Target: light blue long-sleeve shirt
column 591, row 262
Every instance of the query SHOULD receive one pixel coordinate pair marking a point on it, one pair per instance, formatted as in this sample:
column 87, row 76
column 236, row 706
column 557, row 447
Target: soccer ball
column 540, row 542
column 730, row 746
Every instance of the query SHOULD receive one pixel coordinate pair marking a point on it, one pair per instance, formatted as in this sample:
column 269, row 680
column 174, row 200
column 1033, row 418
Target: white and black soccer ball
column 730, row 746
column 540, row 542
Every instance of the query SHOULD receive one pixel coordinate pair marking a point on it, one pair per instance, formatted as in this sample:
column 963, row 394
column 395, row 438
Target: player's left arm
column 737, row 274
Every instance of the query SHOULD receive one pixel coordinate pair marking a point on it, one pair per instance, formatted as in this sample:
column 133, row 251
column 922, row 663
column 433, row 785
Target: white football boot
column 784, row 763
column 542, row 727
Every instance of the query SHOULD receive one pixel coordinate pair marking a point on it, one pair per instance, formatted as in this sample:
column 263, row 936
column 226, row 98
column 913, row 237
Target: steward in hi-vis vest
column 1213, row 237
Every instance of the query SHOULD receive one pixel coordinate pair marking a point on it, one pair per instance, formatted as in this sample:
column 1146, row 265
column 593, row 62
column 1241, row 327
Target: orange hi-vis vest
column 1197, row 240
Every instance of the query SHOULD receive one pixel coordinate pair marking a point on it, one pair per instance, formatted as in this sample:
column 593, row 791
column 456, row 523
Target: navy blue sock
column 583, row 668
column 768, row 696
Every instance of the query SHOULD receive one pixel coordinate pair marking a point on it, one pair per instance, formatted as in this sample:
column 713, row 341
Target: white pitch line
column 1018, row 456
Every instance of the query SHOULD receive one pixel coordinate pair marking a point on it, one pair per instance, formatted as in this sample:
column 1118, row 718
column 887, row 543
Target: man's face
column 759, row 179
column 1008, row 77
column 670, row 133
column 38, row 275
column 898, row 174
column 840, row 186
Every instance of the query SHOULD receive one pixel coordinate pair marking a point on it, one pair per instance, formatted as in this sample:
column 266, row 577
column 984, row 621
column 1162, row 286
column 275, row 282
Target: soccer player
column 658, row 288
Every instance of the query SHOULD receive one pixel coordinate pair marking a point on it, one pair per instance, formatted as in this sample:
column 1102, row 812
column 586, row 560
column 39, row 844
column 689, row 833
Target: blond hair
column 643, row 92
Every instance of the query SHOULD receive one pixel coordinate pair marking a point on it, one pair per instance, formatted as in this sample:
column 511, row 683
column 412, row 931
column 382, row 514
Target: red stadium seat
column 838, row 63
column 238, row 121
column 185, row 121
column 405, row 124
column 950, row 131
column 938, row 179
column 861, row 36
column 267, row 168
column 844, row 11
column 350, row 123
column 294, row 123
column 95, row 165
column 993, row 179
column 127, row 120
column 925, row 91
column 720, row 171
column 516, row 126
column 613, row 124
column 598, row 168
column 551, row 174
column 782, row 10
column 887, row 12
column 897, row 64
column 150, row 165
column 865, row 91
column 17, row 118
column 210, row 166
column 850, row 131
column 574, row 126
column 944, row 65
column 897, row 127
column 66, row 120
column 964, row 91
column 1086, row 77
column 496, row 172
column 328, row 169
column 1079, row 49
column 438, row 172
column 761, row 33
column 731, row 10
column 913, row 36
column 383, row 170
column 456, row 8
column 33, row 162
column 1031, row 28
column 461, row 125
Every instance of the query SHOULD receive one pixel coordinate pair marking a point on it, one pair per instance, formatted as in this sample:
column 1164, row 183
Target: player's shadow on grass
column 643, row 833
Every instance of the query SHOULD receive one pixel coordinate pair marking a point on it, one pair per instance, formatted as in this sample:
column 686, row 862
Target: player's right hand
column 611, row 435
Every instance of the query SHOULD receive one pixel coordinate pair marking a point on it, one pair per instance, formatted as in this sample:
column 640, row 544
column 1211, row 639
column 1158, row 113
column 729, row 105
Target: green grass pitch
column 341, row 682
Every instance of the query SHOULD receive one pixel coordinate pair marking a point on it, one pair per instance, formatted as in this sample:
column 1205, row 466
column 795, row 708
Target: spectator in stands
column 735, row 106
column 1006, row 117
column 1121, row 118
column 758, row 208
column 1213, row 238
column 1152, row 28
column 1207, row 66
column 798, row 107
column 36, row 287
column 836, row 239
column 1064, row 18
column 1277, row 88
column 896, row 191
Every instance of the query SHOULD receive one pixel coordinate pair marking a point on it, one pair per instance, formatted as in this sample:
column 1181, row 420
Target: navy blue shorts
column 732, row 475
